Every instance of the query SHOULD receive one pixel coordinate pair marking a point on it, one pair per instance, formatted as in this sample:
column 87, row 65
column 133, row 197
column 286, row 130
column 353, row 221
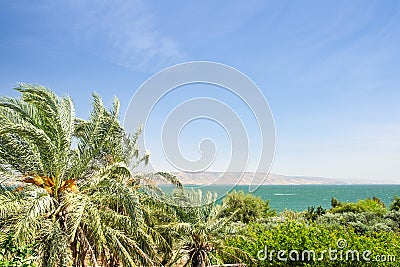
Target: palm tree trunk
column 89, row 247
column 74, row 250
column 198, row 260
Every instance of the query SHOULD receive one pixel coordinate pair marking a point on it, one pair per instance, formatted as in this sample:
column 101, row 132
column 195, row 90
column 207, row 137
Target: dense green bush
column 363, row 226
column 313, row 213
column 367, row 205
column 395, row 203
column 248, row 207
column 363, row 222
column 334, row 202
column 292, row 235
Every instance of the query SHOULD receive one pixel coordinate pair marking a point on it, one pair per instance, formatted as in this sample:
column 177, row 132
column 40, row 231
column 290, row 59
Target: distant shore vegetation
column 81, row 203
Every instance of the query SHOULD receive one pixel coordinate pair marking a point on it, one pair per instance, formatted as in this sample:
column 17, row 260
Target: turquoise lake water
column 299, row 197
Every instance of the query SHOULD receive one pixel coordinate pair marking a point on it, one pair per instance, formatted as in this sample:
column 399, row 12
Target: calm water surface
column 299, row 197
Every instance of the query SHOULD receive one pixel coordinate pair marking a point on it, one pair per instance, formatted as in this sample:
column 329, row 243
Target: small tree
column 364, row 205
column 379, row 201
column 395, row 205
column 248, row 207
column 313, row 213
column 79, row 200
column 334, row 202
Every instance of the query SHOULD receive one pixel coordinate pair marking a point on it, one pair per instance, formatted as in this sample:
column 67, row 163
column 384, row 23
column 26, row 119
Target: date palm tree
column 199, row 230
column 78, row 199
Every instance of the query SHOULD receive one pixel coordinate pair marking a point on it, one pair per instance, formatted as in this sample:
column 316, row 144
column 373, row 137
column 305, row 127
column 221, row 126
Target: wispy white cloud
column 124, row 32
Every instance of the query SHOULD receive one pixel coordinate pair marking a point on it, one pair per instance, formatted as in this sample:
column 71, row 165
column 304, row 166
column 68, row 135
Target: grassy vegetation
column 80, row 203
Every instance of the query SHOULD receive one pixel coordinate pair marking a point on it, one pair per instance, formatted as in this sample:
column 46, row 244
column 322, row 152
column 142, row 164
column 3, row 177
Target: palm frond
column 53, row 245
column 36, row 205
column 79, row 196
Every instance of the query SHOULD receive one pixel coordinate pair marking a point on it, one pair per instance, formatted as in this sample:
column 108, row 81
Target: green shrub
column 334, row 202
column 395, row 203
column 292, row 235
column 313, row 213
column 367, row 205
column 248, row 207
column 364, row 222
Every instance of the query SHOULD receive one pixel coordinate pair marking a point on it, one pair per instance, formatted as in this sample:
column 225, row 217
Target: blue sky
column 330, row 70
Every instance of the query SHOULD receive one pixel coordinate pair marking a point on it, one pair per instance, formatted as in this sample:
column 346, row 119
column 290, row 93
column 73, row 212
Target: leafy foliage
column 246, row 207
column 265, row 241
column 367, row 226
column 335, row 202
column 313, row 213
column 395, row 205
column 367, row 205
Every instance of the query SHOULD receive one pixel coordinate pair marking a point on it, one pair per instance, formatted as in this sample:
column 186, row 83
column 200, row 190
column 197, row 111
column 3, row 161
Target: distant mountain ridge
column 221, row 178
column 214, row 178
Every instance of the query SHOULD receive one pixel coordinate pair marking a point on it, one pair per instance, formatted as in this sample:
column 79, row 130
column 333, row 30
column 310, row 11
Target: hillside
column 232, row 178
column 220, row 178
